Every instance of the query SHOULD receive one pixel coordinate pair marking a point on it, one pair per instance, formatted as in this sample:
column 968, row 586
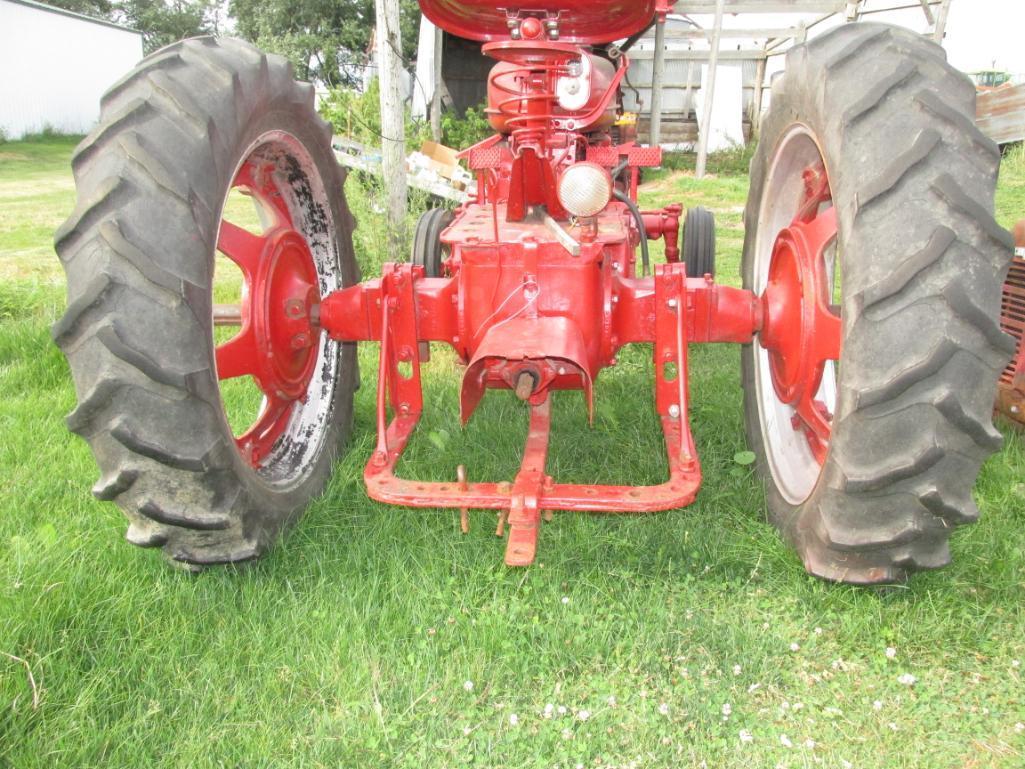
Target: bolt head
column 672, row 304
column 674, row 411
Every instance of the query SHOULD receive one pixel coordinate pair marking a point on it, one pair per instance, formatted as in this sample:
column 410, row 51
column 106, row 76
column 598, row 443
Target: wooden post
column 393, row 142
column 439, row 42
column 709, row 95
column 658, row 72
column 928, row 12
column 688, row 89
column 756, row 102
column 941, row 22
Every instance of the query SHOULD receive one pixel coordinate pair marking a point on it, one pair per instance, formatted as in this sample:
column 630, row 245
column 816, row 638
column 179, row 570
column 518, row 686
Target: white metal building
column 55, row 65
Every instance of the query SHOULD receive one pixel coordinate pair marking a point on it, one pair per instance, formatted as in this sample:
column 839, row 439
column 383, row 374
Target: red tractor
column 872, row 275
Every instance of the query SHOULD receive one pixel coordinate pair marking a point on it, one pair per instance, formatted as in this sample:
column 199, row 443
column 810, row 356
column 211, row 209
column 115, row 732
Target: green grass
column 353, row 642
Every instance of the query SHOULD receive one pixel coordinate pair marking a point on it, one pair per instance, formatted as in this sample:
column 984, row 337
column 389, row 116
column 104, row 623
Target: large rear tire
column 191, row 122
column 871, row 489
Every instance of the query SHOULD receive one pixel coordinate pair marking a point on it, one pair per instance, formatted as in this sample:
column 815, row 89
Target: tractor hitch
column 539, row 354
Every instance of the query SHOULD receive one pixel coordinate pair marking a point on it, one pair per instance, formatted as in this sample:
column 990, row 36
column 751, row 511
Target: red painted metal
column 577, row 21
column 665, row 224
column 801, row 328
column 396, row 299
column 277, row 342
column 536, row 302
column 1011, row 387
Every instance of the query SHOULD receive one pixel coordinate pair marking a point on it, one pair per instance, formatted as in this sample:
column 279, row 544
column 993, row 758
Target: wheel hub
column 801, row 329
column 281, row 299
column 278, row 343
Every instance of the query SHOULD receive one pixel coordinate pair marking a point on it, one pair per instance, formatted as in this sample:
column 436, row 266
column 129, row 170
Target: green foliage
column 326, row 40
column 463, row 132
column 357, row 116
column 375, row 636
column 99, row 9
column 732, row 161
column 161, row 21
column 1014, row 161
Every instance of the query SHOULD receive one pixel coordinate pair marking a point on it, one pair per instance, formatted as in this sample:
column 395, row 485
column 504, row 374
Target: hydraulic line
column 623, row 198
column 638, row 217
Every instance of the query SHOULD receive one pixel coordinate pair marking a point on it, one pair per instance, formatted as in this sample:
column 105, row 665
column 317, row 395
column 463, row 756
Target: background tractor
column 872, row 275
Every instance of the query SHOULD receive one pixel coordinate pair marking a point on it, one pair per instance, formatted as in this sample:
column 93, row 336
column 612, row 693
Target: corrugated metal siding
column 1001, row 114
column 55, row 68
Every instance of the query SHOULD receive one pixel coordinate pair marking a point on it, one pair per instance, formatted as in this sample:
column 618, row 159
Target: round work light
column 585, row 189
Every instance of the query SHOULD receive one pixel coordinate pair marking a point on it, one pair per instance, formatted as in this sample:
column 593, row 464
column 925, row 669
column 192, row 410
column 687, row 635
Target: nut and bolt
column 672, row 304
column 674, row 411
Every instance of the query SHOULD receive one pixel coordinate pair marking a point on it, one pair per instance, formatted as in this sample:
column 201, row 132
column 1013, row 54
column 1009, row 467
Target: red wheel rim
column 277, row 343
column 802, row 329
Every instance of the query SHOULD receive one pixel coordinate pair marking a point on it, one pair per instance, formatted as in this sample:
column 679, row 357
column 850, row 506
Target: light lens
column 585, row 189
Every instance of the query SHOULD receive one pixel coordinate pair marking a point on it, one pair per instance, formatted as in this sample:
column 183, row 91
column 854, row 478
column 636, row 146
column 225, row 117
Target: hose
column 623, row 198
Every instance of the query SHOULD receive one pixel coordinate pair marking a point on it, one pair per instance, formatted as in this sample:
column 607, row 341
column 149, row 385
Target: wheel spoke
column 259, row 184
column 241, row 246
column 815, row 420
column 828, row 334
column 257, row 442
column 820, row 231
column 816, row 192
column 237, row 356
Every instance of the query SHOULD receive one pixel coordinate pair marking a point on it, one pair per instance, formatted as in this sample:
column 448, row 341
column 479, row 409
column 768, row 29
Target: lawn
column 375, row 636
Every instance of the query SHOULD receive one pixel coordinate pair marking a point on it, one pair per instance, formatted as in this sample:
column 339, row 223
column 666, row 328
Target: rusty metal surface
column 1001, row 114
column 1011, row 387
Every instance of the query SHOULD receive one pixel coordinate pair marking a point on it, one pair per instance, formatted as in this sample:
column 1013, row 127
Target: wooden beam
column 439, row 44
column 774, row 45
column 905, row 7
column 941, row 22
column 755, row 33
column 657, row 73
column 756, row 102
column 747, row 54
column 393, row 142
column 687, row 89
column 766, row 6
column 709, row 93
column 929, row 18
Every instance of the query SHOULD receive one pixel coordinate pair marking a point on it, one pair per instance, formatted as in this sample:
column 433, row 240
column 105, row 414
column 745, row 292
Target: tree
column 326, row 40
column 160, row 21
column 98, row 9
column 163, row 22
